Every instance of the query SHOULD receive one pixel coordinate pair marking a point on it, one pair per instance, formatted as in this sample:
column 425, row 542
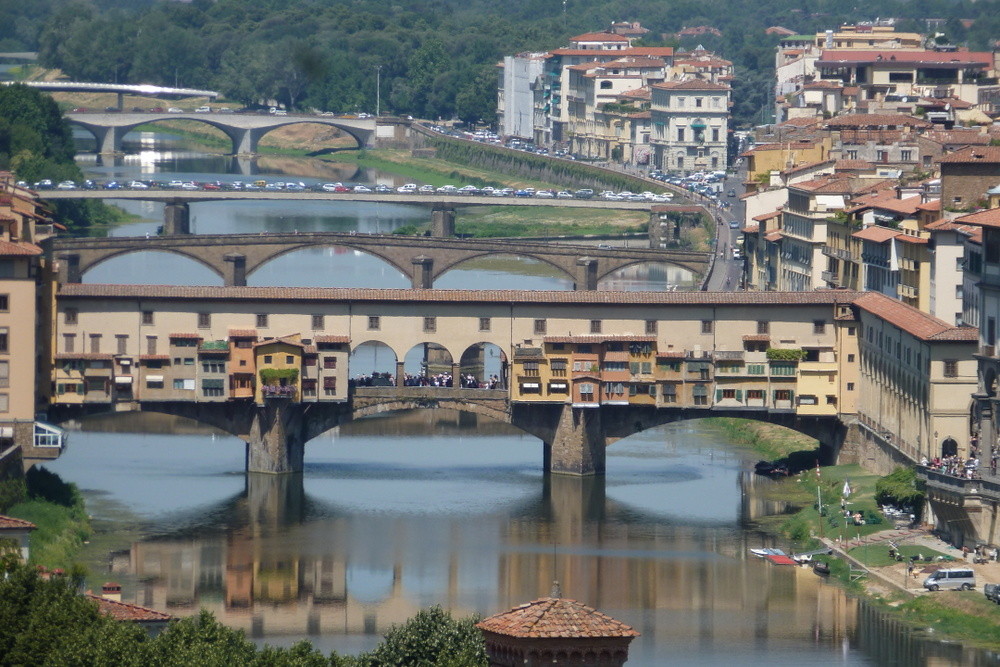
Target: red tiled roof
column 941, row 58
column 909, row 238
column 751, row 229
column 913, row 321
column 853, row 165
column 9, row 249
column 670, row 354
column 617, row 355
column 87, row 356
column 973, row 154
column 287, row 340
column 757, row 338
column 876, row 234
column 887, row 201
column 329, row 338
column 932, row 205
column 154, row 357
column 598, row 37
column 71, row 291
column 856, row 120
column 12, row 523
column 242, row 333
column 766, row 216
column 774, row 236
column 690, row 84
column 123, row 611
column 187, row 336
column 555, row 617
column 988, row 218
column 826, row 184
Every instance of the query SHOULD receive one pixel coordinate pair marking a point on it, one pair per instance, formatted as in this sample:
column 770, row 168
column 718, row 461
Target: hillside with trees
column 438, row 57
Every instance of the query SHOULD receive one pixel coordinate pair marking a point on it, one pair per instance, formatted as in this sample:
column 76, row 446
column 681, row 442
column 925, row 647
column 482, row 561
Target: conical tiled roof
column 555, row 617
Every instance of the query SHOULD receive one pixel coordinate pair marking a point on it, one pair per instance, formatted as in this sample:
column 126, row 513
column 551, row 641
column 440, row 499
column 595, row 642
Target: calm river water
column 399, row 512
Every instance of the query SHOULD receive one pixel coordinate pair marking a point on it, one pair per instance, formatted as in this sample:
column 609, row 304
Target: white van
column 952, row 578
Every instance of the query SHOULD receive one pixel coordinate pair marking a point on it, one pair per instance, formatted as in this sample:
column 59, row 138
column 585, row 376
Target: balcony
column 831, row 277
column 274, row 391
column 837, row 253
column 728, row 355
column 907, row 292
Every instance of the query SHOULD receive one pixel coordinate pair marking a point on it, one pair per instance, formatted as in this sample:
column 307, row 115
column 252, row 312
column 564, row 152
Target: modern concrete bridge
column 421, row 259
column 244, row 130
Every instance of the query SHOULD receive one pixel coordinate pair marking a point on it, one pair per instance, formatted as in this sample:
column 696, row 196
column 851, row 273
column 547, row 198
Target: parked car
column 952, row 578
column 66, row 185
column 992, row 592
column 203, row 109
column 175, row 110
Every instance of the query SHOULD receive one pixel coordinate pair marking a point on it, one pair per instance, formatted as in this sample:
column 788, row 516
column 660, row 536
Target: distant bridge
column 421, row 259
column 244, row 130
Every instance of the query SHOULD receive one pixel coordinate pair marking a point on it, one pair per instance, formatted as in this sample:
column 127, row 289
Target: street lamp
column 378, row 90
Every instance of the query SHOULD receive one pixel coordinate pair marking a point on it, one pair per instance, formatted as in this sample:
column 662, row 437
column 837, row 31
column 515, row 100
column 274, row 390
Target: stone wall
column 865, row 448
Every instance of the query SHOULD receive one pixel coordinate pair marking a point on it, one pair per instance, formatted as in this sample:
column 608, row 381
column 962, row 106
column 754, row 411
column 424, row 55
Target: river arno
column 408, row 510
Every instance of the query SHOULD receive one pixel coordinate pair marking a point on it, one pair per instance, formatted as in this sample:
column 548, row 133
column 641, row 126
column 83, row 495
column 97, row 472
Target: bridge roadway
column 437, row 200
column 244, row 130
column 422, row 259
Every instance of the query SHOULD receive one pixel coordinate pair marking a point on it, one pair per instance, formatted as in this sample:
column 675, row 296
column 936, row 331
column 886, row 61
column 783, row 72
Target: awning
column 154, row 378
column 529, row 385
column 123, row 379
column 558, row 385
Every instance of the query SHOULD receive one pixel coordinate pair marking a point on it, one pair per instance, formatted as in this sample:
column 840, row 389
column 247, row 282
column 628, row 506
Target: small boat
column 821, row 568
column 764, row 553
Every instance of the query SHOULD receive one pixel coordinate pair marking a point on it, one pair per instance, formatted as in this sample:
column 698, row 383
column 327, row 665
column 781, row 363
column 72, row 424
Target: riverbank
column 57, row 509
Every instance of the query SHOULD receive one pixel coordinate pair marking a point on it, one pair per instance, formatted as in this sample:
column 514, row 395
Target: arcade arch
column 484, row 361
column 373, row 363
column 428, row 364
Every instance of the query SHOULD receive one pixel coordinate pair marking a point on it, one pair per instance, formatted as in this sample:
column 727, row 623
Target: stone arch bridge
column 574, row 440
column 244, row 130
column 421, row 259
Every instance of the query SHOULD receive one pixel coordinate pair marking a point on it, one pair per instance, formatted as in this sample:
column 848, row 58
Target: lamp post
column 378, row 90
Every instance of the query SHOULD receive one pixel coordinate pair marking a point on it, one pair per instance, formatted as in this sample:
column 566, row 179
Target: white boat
column 761, row 553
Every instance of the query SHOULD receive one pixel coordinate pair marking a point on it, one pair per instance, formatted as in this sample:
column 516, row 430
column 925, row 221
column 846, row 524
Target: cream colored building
column 690, row 125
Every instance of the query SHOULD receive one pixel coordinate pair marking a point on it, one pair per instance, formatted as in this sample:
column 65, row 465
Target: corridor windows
column 595, row 326
column 819, row 327
column 95, row 343
column 69, row 343
column 147, row 317
column 763, row 327
column 374, row 322
column 430, row 324
column 204, row 320
column 318, row 323
column 540, row 327
column 70, row 315
column 150, row 345
column 4, row 374
column 650, row 327
column 121, row 341
column 484, row 324
column 951, row 368
column 261, row 320
column 706, row 326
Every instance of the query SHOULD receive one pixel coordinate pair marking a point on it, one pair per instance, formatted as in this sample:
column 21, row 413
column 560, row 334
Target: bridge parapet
column 965, row 509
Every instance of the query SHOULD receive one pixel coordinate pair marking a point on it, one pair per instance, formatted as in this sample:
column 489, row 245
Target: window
column 204, row 320
column 706, row 326
column 698, row 102
column 150, row 344
column 430, row 324
column 261, row 320
column 317, row 323
column 850, row 358
column 681, row 101
column 906, row 156
column 595, row 326
column 755, row 369
column 213, row 387
column 4, row 403
column 329, row 362
column 374, row 323
column 289, row 359
column 558, row 388
column 540, row 327
column 755, row 394
column 213, row 367
column 680, row 134
column 647, row 368
column 308, row 386
column 850, row 386
column 819, row 327
column 951, row 368
column 715, row 134
column 650, row 327
column 851, row 331
column 586, row 391
column 70, row 315
column 852, row 155
column 669, row 393
column 95, row 343
column 186, row 384
column 268, row 359
column 308, row 360
column 122, row 343
column 189, row 361
column 147, row 317
column 831, row 399
column 782, row 394
column 530, row 367
column 4, row 374
column 484, row 324
column 329, row 386
column 606, row 85
column 69, row 343
column 763, row 327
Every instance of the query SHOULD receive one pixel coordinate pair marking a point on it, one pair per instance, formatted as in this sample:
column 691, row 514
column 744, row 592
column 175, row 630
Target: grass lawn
column 877, row 555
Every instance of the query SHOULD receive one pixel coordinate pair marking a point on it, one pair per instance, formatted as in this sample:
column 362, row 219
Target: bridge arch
column 446, row 267
column 483, row 360
column 463, row 401
column 292, row 120
column 428, row 360
column 365, row 358
column 610, row 270
column 370, row 251
column 201, row 261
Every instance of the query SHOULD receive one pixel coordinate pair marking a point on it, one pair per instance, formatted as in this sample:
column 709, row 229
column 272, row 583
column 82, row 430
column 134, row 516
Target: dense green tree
column 431, row 638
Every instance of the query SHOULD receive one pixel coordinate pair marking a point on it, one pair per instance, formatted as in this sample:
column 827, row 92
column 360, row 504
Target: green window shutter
column 718, row 395
column 739, row 394
column 634, row 367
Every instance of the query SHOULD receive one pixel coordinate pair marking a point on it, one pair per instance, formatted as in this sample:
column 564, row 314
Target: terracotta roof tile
column 751, row 229
column 974, row 154
column 242, row 333
column 876, row 120
column 185, row 336
column 9, row 249
column 123, row 611
column 958, row 59
column 876, row 234
column 12, row 523
column 909, row 319
column 988, row 218
column 154, row 357
column 555, row 617
column 329, row 338
column 690, row 84
column 757, row 338
column 767, row 216
column 598, row 37
column 71, row 291
column 774, row 236
column 596, row 338
column 88, row 356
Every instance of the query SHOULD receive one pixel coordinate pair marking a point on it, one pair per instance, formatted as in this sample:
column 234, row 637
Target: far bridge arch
column 86, row 267
column 261, row 265
column 444, row 267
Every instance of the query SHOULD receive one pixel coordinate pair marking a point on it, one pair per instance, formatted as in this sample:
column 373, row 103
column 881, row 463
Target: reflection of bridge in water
column 258, row 576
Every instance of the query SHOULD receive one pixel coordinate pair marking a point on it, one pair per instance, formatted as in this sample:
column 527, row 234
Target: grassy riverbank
column 57, row 510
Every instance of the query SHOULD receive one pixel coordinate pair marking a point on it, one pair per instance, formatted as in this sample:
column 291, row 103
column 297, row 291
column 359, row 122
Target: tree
column 432, row 637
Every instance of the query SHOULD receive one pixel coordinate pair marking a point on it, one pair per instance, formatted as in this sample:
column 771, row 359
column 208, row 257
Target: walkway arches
column 428, row 363
column 483, row 361
column 149, row 267
column 528, row 271
column 323, row 269
column 373, row 363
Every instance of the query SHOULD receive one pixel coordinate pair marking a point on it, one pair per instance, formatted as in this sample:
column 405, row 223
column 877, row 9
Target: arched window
column 605, row 85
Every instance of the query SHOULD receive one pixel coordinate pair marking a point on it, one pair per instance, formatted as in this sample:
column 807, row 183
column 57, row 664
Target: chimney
column 112, row 591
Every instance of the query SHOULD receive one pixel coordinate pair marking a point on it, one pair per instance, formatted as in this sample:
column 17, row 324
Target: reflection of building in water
column 276, row 572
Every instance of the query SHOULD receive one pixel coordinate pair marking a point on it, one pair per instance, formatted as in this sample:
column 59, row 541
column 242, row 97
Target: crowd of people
column 465, row 381
column 954, row 465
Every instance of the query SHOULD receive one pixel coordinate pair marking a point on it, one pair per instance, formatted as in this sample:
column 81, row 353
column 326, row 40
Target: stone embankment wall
column 865, row 448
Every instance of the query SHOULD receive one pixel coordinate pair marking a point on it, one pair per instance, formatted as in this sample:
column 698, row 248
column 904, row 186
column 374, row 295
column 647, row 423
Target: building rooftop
column 123, row 611
column 876, row 234
column 973, row 155
column 555, row 618
column 876, row 120
column 915, row 322
column 599, row 37
column 690, row 84
column 949, row 59
column 12, row 523
column 988, row 218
